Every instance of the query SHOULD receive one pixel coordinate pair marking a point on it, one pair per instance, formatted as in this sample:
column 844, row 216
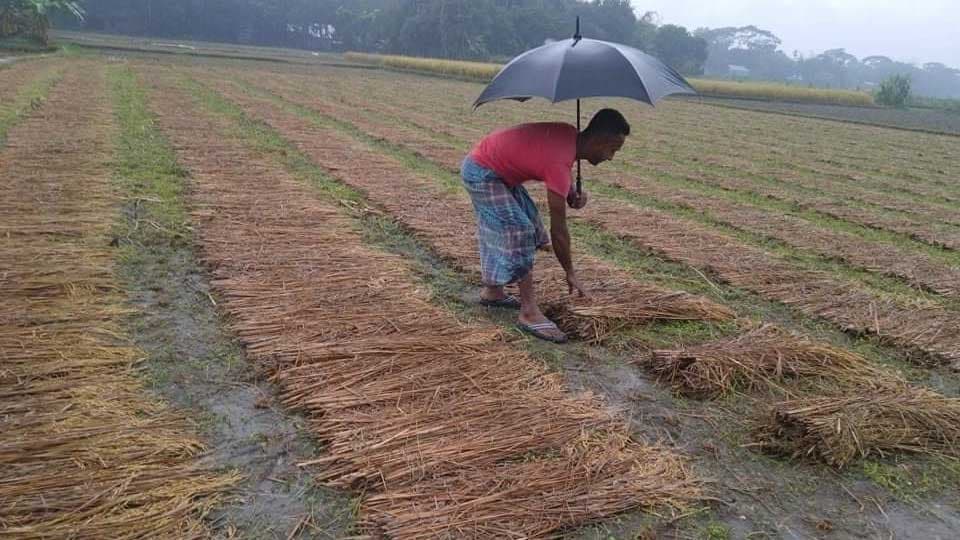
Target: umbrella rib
column 563, row 63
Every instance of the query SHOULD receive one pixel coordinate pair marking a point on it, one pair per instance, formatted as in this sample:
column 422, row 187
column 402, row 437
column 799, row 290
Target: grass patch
column 155, row 252
column 771, row 91
column 715, row 531
column 147, row 165
column 914, row 482
column 30, row 97
column 480, row 71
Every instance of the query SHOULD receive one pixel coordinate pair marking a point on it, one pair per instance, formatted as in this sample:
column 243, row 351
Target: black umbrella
column 580, row 68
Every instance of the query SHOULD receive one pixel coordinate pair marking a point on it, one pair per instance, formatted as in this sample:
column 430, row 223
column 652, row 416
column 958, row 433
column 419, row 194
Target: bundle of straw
column 839, row 429
column 605, row 312
column 763, row 358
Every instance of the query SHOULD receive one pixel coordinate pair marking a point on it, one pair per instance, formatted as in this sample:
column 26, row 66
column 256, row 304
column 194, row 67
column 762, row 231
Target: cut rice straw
column 406, row 398
column 85, row 453
column 838, row 429
column 763, row 358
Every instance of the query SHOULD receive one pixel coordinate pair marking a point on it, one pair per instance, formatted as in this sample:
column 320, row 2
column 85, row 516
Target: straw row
column 924, row 326
column 697, row 143
column 876, row 256
column 85, row 454
column 766, row 358
column 445, row 221
column 410, row 401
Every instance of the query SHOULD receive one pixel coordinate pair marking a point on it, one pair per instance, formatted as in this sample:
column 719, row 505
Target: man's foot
column 543, row 328
column 509, row 301
column 496, row 297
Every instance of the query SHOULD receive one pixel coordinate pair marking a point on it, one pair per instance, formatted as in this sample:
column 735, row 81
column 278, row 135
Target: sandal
column 537, row 330
column 510, row 301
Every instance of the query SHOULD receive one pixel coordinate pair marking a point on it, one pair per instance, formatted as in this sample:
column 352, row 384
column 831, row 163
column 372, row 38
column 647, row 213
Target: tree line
column 749, row 52
column 497, row 30
column 462, row 29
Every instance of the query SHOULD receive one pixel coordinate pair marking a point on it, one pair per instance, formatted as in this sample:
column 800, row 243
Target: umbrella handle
column 579, row 178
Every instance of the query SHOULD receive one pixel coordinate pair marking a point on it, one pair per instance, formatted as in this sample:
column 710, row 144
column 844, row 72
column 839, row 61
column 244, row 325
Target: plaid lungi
column 509, row 229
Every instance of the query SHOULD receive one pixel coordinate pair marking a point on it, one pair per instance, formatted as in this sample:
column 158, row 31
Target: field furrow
column 86, row 452
column 386, row 377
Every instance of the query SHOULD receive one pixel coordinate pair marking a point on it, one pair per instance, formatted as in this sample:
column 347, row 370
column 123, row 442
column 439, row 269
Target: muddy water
column 195, row 364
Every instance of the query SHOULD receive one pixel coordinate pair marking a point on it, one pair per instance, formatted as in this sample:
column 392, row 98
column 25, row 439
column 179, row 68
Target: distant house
column 737, row 72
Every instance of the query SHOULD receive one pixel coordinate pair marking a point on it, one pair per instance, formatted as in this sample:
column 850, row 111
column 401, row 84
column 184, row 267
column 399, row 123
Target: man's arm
column 560, row 238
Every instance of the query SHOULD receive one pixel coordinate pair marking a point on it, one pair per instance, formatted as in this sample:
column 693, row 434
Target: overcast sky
column 909, row 30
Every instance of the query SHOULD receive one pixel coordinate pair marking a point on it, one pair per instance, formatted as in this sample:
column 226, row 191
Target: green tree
column 645, row 31
column 753, row 48
column 30, row 18
column 677, row 48
column 894, row 91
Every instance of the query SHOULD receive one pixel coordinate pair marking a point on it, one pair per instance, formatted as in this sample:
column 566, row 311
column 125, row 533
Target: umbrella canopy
column 581, row 68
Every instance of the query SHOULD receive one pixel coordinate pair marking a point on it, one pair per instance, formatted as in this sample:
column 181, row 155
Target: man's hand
column 576, row 200
column 574, row 285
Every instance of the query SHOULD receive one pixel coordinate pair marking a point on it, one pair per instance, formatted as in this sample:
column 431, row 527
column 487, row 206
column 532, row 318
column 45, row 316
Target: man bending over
column 508, row 224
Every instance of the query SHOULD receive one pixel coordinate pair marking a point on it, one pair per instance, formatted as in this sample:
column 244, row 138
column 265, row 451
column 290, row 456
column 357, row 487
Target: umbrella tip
column 576, row 35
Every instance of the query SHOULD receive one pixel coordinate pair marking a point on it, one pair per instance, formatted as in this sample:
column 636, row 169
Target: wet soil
column 194, row 363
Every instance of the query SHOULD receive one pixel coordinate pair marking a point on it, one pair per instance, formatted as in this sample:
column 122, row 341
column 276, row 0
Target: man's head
column 603, row 137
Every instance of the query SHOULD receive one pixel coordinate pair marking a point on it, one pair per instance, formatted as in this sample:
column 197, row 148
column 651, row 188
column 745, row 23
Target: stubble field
column 239, row 302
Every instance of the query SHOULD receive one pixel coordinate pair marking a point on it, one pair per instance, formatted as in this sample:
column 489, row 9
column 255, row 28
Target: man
column 508, row 224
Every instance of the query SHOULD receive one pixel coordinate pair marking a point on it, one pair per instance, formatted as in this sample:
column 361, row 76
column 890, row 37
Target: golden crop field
column 711, row 87
column 240, row 301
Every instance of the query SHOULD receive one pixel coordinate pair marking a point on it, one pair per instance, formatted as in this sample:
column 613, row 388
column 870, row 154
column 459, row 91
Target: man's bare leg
column 529, row 309
column 492, row 293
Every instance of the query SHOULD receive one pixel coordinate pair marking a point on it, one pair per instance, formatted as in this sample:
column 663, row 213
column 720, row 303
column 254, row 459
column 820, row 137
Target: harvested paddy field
column 240, row 302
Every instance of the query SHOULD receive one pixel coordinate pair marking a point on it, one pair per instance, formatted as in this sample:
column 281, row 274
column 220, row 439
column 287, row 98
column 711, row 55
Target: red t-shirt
column 542, row 151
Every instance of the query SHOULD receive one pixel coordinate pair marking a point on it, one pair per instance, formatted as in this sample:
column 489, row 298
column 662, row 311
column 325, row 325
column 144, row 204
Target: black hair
column 608, row 122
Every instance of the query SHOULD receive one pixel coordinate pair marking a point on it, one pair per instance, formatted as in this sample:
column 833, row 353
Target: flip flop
column 536, row 330
column 510, row 301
